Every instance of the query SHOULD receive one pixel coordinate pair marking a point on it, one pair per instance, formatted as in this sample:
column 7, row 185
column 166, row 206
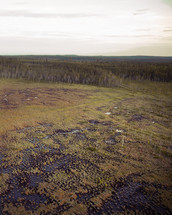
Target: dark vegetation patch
column 132, row 197
column 46, row 176
column 136, row 117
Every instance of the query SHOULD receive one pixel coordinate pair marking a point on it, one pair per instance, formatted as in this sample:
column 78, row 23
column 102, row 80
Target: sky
column 86, row 27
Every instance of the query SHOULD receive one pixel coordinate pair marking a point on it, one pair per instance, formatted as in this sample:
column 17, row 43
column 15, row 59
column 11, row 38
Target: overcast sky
column 86, row 27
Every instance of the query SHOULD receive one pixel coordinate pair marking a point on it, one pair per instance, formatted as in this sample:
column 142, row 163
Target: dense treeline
column 102, row 73
column 152, row 59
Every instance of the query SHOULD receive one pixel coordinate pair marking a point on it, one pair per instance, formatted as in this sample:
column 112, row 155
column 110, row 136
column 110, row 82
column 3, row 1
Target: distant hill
column 152, row 59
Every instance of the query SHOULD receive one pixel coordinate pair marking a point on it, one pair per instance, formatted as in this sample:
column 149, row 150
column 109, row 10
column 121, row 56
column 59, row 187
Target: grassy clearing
column 77, row 149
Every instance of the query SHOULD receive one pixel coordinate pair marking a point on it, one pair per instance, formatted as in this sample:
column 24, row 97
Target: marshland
column 85, row 135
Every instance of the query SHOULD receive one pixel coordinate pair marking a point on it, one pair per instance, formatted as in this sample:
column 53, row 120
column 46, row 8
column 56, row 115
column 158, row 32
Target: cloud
column 20, row 3
column 160, row 49
column 167, row 39
column 28, row 14
column 128, row 36
column 140, row 12
column 143, row 29
column 168, row 30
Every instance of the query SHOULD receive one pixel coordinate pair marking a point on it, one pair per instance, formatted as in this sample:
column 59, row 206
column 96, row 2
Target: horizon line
column 75, row 55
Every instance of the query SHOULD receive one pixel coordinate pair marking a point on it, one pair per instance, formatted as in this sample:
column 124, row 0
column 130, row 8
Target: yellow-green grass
column 56, row 106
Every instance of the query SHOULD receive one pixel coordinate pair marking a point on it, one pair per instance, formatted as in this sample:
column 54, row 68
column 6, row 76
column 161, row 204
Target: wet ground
column 54, row 176
column 105, row 156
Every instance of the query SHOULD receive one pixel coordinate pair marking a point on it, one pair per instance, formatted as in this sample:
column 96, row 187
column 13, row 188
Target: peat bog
column 65, row 155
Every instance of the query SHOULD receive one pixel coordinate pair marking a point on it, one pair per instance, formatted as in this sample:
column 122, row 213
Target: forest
column 99, row 71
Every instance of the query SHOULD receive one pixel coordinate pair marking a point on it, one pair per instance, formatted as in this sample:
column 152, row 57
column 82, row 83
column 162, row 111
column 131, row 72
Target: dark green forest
column 100, row 71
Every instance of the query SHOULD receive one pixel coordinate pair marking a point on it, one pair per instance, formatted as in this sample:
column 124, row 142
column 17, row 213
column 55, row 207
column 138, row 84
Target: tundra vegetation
column 102, row 147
